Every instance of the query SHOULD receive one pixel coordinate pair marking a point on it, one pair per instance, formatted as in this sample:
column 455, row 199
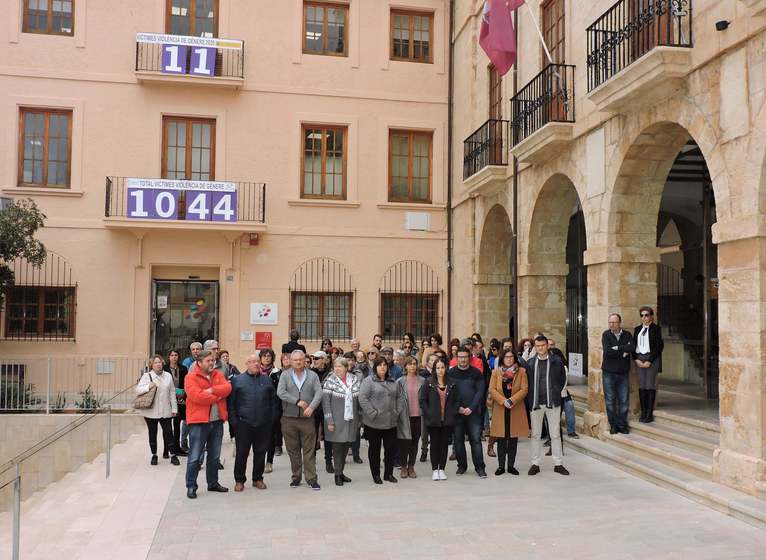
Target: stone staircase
column 674, row 452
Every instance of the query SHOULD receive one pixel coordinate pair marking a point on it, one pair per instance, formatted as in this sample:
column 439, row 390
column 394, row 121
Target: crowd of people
column 411, row 402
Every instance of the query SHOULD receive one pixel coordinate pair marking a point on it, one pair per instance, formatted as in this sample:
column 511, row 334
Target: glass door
column 183, row 311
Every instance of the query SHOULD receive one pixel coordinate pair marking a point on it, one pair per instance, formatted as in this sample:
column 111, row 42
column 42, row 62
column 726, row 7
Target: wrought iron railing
column 548, row 97
column 630, row 29
column 488, row 145
column 251, row 201
column 229, row 61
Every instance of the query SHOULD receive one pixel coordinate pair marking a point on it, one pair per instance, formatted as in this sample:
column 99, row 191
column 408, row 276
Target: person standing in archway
column 648, row 359
column 618, row 349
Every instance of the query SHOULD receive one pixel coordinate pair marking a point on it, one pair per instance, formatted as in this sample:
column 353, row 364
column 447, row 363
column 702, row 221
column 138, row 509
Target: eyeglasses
column 645, row 315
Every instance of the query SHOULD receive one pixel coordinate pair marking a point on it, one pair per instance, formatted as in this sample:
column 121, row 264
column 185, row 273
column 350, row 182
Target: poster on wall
column 246, row 336
column 263, row 313
column 263, row 340
column 575, row 364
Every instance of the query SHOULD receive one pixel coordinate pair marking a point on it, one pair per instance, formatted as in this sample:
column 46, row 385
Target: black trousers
column 339, row 452
column 506, row 449
column 276, row 438
column 247, row 438
column 408, row 448
column 176, row 425
column 439, row 448
column 388, row 439
column 167, row 434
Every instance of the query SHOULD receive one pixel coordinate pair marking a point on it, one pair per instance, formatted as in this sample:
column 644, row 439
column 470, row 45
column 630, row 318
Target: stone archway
column 495, row 274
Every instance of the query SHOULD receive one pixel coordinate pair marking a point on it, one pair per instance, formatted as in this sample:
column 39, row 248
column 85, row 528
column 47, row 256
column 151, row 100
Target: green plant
column 18, row 224
column 60, row 403
column 17, row 396
column 88, row 400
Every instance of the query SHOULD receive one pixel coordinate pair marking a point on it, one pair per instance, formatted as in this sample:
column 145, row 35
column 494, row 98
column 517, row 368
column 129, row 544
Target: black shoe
column 345, row 478
column 154, row 460
column 377, row 480
column 513, row 471
column 217, row 488
column 499, row 471
column 390, row 478
column 460, row 470
column 481, row 473
column 330, row 469
column 174, row 461
column 624, row 430
column 191, row 493
column 533, row 470
column 220, row 466
column 561, row 470
column 424, row 456
column 612, row 430
column 278, row 451
column 165, row 455
column 548, row 453
column 573, row 435
column 314, row 485
column 338, row 480
column 358, row 460
column 182, row 453
column 295, row 483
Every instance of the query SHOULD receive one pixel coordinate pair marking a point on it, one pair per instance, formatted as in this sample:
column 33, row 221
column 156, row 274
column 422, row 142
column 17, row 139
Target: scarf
column 265, row 370
column 348, row 404
column 508, row 375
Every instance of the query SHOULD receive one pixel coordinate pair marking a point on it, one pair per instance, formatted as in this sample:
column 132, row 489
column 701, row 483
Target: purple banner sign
column 203, row 61
column 224, row 206
column 174, row 59
column 152, row 204
column 198, row 205
column 205, row 201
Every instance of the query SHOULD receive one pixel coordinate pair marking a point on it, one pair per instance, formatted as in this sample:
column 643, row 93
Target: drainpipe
column 514, row 239
column 449, row 166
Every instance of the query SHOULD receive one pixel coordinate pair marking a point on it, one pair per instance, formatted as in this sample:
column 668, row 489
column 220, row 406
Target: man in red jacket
column 206, row 391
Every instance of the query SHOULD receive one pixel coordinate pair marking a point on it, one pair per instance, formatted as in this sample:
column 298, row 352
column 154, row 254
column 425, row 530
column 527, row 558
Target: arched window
column 322, row 300
column 409, row 300
column 41, row 303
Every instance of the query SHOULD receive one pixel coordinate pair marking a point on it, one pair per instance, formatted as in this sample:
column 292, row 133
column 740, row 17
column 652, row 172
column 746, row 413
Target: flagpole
column 540, row 33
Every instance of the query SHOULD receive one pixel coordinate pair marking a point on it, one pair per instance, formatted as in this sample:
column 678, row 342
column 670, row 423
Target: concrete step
column 662, row 418
column 726, row 500
column 704, row 443
column 694, row 463
column 760, row 489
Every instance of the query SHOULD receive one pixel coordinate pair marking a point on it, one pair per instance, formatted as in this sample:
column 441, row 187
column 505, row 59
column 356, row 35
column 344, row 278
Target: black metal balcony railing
column 632, row 28
column 487, row 146
column 548, row 97
column 251, row 201
column 229, row 62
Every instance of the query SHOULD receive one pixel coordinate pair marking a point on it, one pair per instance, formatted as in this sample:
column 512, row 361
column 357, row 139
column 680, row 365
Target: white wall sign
column 246, row 336
column 263, row 313
column 575, row 364
column 162, row 302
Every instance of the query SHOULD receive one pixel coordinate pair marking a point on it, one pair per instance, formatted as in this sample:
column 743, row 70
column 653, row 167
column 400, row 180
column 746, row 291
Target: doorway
column 577, row 289
column 183, row 311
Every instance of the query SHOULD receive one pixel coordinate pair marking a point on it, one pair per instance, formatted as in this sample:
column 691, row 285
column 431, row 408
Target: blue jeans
column 569, row 414
column 616, row 399
column 356, row 447
column 471, row 426
column 205, row 436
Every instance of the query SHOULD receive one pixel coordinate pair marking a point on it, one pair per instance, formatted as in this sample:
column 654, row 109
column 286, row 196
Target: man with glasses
column 471, row 391
column 618, row 348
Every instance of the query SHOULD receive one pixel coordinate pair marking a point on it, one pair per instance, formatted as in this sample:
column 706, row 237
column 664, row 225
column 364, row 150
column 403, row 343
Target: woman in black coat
column 178, row 372
column 438, row 405
column 648, row 358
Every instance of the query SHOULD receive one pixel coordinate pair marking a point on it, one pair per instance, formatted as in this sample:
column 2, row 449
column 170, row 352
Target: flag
column 497, row 37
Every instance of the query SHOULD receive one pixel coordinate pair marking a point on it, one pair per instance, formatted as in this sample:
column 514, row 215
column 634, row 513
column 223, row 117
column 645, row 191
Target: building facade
column 638, row 160
column 222, row 168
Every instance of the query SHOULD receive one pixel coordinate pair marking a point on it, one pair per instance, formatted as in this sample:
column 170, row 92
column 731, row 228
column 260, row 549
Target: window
column 410, row 166
column 33, row 312
column 415, row 313
column 495, row 94
column 553, row 30
column 197, row 18
column 412, row 36
column 45, row 147
column 50, row 17
column 188, row 149
column 325, row 29
column 320, row 314
column 324, row 162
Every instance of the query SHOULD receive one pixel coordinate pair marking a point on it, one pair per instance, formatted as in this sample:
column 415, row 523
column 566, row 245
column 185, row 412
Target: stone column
column 492, row 304
column 542, row 299
column 620, row 280
column 741, row 459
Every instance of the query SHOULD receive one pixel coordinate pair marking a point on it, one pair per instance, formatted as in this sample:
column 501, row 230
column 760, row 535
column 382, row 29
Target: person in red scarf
column 508, row 389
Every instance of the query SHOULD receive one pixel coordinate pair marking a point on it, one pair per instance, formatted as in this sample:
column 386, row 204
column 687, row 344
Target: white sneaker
column 442, row 475
column 435, row 476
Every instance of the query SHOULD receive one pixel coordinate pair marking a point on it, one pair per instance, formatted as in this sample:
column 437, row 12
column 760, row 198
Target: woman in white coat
column 164, row 407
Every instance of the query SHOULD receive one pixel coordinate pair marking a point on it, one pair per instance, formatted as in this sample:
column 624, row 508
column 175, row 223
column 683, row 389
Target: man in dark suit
column 648, row 358
column 618, row 349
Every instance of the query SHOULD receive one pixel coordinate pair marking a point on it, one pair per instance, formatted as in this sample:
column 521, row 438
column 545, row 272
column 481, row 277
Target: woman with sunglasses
column 648, row 358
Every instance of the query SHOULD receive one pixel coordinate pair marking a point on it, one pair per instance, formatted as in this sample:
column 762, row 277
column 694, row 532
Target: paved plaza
column 598, row 512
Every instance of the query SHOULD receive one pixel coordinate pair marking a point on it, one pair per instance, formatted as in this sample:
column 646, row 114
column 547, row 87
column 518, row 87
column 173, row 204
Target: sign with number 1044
column 204, row 201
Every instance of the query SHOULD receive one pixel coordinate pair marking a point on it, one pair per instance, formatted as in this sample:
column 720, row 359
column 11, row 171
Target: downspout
column 514, row 238
column 449, row 166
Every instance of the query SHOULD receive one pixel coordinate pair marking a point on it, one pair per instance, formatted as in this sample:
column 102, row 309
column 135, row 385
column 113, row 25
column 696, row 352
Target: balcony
column 543, row 114
column 639, row 52
column 168, row 59
column 152, row 204
column 485, row 156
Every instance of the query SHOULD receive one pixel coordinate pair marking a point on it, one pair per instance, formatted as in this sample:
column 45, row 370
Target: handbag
column 146, row 400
